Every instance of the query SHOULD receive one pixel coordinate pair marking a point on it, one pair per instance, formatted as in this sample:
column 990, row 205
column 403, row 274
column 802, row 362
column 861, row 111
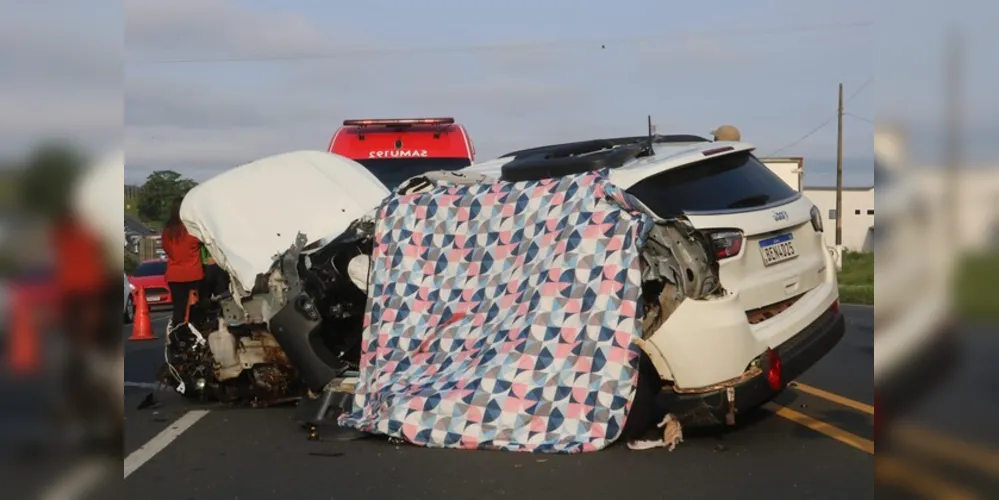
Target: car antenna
column 647, row 149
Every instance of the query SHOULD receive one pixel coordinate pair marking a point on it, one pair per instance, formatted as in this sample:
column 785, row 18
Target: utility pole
column 839, row 172
column 652, row 130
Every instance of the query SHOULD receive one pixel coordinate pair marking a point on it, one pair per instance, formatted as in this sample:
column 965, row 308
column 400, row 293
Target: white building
column 858, row 215
column 972, row 223
column 977, row 220
column 858, row 204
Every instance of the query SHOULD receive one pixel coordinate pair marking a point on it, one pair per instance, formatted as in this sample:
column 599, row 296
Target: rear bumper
column 163, row 296
column 797, row 355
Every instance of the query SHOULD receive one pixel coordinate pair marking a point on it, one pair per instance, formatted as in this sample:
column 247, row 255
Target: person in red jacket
column 184, row 271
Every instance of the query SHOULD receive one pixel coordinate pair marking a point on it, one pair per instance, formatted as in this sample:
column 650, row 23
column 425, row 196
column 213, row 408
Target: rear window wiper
column 750, row 201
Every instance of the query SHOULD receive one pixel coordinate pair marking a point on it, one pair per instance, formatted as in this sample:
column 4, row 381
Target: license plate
column 778, row 249
column 155, row 298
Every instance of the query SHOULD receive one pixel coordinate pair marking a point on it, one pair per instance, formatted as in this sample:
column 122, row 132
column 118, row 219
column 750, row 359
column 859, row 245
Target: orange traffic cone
column 23, row 348
column 142, row 326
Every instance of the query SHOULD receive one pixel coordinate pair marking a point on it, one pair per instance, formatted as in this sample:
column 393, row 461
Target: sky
column 211, row 84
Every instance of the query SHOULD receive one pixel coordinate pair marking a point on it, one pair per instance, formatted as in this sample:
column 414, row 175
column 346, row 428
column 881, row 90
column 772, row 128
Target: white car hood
column 250, row 214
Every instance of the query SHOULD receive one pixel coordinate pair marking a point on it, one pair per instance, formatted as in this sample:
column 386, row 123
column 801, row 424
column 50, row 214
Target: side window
column 870, row 212
column 856, row 212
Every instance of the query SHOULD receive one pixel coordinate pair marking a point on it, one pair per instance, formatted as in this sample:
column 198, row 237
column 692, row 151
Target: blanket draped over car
column 501, row 316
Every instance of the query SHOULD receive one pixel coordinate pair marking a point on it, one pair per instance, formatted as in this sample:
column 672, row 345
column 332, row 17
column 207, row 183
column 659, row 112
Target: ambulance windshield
column 393, row 171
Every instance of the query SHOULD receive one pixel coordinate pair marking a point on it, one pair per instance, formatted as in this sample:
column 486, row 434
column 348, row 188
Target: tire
column 129, row 313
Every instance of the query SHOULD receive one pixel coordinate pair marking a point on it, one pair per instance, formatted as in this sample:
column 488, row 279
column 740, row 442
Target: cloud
column 304, row 73
column 206, row 28
column 159, row 102
column 62, row 77
column 34, row 113
column 202, row 124
column 198, row 129
column 199, row 155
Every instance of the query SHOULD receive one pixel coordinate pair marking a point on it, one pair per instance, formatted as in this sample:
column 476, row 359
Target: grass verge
column 975, row 295
column 856, row 280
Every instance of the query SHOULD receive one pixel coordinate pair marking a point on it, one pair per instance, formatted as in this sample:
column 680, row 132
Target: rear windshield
column 393, row 171
column 150, row 269
column 730, row 182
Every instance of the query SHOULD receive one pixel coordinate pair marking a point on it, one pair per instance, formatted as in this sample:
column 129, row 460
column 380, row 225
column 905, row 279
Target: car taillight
column 715, row 151
column 727, row 243
column 774, row 372
column 835, row 307
column 817, row 219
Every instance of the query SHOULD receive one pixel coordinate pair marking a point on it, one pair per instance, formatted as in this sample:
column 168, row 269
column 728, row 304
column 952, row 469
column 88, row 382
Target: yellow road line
column 865, row 445
column 946, row 448
column 835, row 398
column 919, row 439
column 897, row 473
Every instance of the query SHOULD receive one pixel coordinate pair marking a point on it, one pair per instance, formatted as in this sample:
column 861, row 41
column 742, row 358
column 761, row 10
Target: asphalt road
column 815, row 442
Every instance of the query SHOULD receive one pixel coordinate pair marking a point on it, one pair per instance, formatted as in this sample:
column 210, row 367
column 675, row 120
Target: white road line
column 157, row 444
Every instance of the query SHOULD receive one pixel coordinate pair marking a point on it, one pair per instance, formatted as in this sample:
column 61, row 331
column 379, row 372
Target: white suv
column 779, row 311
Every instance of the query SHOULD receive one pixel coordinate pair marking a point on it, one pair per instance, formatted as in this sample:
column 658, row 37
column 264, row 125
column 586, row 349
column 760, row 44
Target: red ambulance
column 399, row 148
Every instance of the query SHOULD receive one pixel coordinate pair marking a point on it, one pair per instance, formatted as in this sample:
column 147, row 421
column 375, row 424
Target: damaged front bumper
column 721, row 404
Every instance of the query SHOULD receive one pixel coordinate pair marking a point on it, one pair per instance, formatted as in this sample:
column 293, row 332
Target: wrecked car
column 246, row 217
column 402, row 319
column 722, row 352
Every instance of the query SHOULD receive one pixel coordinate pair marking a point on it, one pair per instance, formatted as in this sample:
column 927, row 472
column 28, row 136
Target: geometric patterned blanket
column 501, row 316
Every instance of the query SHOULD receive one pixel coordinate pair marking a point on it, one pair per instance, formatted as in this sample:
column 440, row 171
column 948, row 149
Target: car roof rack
column 594, row 145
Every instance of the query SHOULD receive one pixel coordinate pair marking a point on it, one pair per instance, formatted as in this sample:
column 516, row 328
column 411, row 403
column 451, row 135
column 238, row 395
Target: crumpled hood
column 248, row 215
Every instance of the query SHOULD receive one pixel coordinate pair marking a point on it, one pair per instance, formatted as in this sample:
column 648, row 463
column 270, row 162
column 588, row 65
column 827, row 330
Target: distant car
column 128, row 312
column 151, row 277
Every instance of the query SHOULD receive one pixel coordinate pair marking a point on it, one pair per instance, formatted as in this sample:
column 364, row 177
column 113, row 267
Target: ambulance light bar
column 398, row 121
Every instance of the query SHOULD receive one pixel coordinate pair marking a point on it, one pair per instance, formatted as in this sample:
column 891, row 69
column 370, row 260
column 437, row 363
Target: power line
column 594, row 43
column 861, row 118
column 859, row 89
column 825, row 123
column 802, row 138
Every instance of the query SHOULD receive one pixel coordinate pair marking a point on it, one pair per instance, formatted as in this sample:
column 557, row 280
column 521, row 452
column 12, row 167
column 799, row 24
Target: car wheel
column 129, row 310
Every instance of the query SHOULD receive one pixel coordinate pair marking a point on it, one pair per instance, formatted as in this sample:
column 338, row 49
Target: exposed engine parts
column 313, row 300
column 242, row 365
